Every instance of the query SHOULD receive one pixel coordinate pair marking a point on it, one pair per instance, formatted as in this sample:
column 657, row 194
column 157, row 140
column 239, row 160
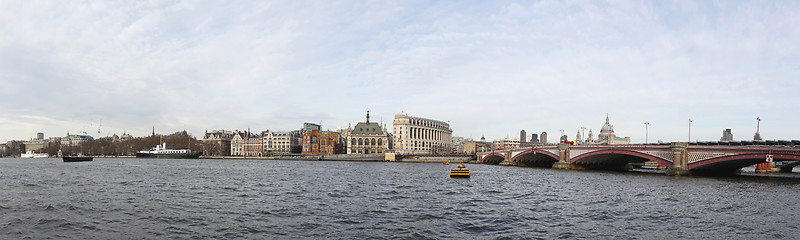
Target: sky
column 488, row 68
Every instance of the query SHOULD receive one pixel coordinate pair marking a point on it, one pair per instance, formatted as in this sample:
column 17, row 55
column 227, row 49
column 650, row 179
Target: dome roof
column 607, row 128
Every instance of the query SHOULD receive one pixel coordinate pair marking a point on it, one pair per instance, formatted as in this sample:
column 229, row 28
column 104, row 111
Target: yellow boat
column 446, row 163
column 460, row 172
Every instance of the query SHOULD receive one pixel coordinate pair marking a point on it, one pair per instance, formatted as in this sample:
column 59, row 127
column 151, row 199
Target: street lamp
column 646, row 125
column 690, row 130
column 583, row 132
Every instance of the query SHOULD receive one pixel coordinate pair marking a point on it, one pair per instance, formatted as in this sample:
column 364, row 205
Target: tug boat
column 460, row 172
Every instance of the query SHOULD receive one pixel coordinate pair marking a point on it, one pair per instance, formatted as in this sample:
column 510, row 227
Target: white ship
column 32, row 154
column 161, row 151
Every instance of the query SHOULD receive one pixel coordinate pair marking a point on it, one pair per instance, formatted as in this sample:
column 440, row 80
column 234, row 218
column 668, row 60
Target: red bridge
column 678, row 158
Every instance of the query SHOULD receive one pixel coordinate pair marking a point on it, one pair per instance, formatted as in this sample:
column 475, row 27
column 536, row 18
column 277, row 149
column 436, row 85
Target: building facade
column 75, row 140
column 543, row 138
column 37, row 144
column 278, row 142
column 215, row 142
column 367, row 137
column 503, row 144
column 416, row 135
column 318, row 142
column 246, row 144
column 522, row 136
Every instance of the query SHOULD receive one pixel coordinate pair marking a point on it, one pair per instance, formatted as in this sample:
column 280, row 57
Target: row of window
column 427, row 123
column 367, row 141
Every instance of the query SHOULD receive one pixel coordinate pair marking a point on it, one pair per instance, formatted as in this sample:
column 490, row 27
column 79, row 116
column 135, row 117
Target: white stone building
column 416, row 135
column 367, row 137
column 278, row 142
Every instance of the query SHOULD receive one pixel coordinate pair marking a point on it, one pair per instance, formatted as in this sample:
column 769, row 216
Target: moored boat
column 460, row 172
column 161, row 151
column 32, row 154
column 77, row 158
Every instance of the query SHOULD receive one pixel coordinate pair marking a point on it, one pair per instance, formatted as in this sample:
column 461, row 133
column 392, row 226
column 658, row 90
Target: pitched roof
column 372, row 128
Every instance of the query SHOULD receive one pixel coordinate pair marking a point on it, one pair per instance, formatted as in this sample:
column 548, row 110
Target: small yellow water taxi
column 446, row 163
column 460, row 172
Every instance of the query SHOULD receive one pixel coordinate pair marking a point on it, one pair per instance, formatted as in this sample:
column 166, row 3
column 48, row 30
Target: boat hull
column 459, row 173
column 78, row 159
column 193, row 155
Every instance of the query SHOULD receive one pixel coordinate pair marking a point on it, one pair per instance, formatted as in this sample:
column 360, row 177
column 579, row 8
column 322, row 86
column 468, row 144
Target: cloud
column 488, row 67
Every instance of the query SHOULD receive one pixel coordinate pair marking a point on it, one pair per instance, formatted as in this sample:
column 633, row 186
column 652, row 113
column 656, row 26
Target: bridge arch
column 615, row 159
column 493, row 158
column 731, row 163
column 535, row 158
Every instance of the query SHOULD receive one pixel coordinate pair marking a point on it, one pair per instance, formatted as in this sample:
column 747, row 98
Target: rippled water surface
column 181, row 199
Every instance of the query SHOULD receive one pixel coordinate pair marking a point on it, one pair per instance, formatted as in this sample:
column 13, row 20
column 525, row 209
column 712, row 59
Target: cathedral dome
column 607, row 128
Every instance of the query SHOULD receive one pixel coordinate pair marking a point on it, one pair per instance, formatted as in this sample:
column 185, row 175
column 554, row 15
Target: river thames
column 256, row 199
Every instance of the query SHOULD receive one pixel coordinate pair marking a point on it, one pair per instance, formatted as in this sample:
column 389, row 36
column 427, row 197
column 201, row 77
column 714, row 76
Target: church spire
column 367, row 116
column 606, row 118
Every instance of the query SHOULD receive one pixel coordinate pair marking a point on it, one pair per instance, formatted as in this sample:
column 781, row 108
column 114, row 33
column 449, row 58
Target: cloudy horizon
column 489, row 68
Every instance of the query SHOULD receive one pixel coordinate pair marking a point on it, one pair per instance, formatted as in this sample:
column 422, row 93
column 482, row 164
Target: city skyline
column 487, row 68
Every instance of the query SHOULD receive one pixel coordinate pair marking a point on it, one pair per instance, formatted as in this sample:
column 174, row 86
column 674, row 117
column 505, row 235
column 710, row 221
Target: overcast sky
column 487, row 67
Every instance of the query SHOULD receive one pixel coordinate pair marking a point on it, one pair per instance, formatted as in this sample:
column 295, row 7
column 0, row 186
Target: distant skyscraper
column 543, row 137
column 726, row 135
column 39, row 136
column 535, row 138
column 522, row 136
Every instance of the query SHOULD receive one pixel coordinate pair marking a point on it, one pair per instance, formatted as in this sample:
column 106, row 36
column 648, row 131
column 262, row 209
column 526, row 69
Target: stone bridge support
column 563, row 157
column 680, row 160
column 508, row 155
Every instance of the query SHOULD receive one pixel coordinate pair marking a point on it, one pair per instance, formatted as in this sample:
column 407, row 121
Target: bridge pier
column 563, row 158
column 680, row 159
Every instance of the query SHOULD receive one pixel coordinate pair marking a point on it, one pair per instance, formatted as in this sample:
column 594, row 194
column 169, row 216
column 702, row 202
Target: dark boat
column 77, row 159
column 161, row 151
column 460, row 172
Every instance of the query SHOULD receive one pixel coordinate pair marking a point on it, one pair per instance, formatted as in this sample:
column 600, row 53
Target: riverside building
column 75, row 140
column 246, row 144
column 416, row 135
column 215, row 142
column 367, row 137
column 278, row 142
column 318, row 142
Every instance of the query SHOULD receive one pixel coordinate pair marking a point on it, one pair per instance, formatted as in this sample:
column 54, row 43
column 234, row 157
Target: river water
column 222, row 199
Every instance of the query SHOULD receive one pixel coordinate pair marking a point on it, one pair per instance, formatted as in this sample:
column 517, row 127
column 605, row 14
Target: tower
column 757, row 137
column 522, row 136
